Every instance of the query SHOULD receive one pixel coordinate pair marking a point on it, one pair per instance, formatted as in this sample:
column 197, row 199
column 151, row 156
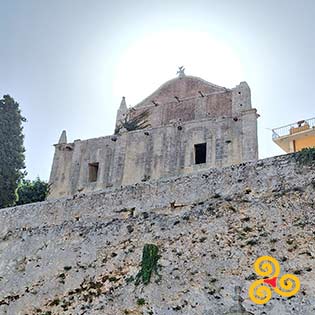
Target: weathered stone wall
column 79, row 255
column 151, row 154
column 214, row 105
column 164, row 143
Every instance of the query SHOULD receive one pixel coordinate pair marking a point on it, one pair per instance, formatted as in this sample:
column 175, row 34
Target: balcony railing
column 299, row 126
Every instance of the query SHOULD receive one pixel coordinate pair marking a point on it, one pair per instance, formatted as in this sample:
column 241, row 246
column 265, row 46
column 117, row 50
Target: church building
column 186, row 125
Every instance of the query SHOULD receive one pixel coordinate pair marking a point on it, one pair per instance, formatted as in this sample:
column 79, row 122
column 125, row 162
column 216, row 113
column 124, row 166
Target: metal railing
column 299, row 126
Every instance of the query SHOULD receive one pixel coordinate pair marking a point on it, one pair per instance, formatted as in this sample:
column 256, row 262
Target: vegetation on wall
column 32, row 191
column 11, row 150
column 138, row 122
column 306, row 156
column 150, row 257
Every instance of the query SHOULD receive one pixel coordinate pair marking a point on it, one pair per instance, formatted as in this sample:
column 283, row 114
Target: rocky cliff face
column 82, row 255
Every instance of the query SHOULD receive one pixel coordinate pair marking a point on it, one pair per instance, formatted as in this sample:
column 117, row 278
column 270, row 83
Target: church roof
column 181, row 87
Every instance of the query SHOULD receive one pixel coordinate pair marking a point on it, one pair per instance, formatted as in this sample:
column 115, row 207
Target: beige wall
column 135, row 156
column 79, row 255
column 222, row 118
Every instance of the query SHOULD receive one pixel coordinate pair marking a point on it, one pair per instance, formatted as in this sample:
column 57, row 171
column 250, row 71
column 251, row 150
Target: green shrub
column 150, row 257
column 31, row 191
column 141, row 301
column 306, row 156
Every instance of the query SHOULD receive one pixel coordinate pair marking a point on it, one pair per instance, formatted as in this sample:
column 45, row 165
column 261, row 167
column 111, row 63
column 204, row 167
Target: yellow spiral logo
column 260, row 291
column 267, row 266
column 289, row 285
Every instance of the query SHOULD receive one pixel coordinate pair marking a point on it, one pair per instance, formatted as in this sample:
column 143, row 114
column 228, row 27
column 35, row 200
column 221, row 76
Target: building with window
column 296, row 136
column 186, row 125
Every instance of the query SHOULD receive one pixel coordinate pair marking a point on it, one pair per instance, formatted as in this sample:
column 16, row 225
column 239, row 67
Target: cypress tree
column 11, row 150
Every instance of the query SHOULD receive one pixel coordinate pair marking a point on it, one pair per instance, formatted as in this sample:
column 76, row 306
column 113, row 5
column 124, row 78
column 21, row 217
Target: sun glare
column 154, row 59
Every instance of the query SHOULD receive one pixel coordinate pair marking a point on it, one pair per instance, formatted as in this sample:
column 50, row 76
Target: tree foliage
column 306, row 156
column 32, row 191
column 11, row 150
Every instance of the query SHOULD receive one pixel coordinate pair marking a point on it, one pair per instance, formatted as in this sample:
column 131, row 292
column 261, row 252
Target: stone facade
column 159, row 138
column 79, row 255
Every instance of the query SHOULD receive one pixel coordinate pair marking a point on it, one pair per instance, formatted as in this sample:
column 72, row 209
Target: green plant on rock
column 141, row 301
column 150, row 257
column 306, row 156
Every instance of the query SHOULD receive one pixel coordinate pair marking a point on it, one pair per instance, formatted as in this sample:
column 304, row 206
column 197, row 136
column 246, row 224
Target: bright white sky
column 69, row 62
